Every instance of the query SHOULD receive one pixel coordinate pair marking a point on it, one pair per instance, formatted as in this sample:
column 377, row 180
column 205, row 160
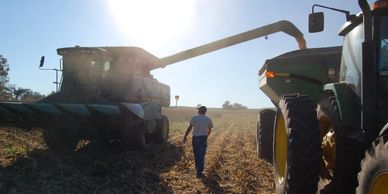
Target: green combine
column 106, row 93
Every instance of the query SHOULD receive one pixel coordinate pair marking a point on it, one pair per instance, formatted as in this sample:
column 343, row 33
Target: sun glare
column 152, row 23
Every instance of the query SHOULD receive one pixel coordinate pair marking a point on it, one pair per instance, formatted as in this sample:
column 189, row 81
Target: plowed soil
column 27, row 166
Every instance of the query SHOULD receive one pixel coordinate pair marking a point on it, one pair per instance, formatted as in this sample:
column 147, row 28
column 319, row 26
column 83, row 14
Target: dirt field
column 27, row 166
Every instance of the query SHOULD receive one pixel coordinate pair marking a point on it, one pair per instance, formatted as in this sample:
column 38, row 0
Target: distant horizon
column 221, row 108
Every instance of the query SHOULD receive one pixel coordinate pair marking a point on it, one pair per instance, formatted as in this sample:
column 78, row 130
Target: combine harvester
column 108, row 93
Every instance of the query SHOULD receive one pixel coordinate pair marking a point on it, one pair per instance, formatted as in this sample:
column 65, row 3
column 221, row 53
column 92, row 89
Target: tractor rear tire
column 160, row 135
column 297, row 148
column 373, row 177
column 346, row 155
column 133, row 137
column 264, row 135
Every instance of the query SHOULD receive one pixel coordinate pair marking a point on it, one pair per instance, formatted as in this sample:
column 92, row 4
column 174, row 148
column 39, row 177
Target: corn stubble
column 27, row 166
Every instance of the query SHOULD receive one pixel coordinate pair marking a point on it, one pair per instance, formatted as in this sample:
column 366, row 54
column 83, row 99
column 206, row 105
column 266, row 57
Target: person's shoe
column 200, row 175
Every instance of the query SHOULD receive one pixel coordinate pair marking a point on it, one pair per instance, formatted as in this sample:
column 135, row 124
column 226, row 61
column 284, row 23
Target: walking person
column 202, row 125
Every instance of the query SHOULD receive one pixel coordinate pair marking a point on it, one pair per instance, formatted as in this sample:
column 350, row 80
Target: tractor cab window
column 383, row 59
column 352, row 59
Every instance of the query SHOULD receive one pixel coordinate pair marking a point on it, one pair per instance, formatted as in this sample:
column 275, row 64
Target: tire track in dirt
column 182, row 178
column 215, row 160
column 241, row 171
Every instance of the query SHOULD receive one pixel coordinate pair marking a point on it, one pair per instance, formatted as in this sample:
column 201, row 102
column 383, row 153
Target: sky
column 31, row 29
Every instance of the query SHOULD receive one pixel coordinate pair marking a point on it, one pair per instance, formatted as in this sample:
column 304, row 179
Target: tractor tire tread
column 304, row 147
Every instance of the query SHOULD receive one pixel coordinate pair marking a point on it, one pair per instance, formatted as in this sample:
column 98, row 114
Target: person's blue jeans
column 199, row 148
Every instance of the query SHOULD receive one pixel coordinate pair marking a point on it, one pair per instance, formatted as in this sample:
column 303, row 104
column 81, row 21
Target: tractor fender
column 346, row 100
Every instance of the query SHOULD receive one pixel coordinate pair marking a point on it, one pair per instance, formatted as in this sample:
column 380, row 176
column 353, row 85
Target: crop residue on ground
column 27, row 166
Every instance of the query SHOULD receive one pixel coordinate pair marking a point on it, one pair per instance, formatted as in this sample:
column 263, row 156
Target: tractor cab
column 375, row 72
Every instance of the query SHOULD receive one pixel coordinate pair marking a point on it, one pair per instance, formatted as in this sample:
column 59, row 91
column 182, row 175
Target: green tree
column 25, row 95
column 9, row 91
column 238, row 106
column 4, row 89
column 227, row 105
column 234, row 106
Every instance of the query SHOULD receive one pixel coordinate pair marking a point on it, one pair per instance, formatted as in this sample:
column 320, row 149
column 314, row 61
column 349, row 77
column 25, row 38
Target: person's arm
column 187, row 133
column 210, row 128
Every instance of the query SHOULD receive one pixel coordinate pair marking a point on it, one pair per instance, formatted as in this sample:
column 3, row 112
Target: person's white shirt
column 201, row 124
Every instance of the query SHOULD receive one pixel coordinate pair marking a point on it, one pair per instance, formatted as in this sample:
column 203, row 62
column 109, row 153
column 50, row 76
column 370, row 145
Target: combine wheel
column 373, row 177
column 160, row 135
column 297, row 148
column 60, row 139
column 132, row 136
column 339, row 164
column 264, row 136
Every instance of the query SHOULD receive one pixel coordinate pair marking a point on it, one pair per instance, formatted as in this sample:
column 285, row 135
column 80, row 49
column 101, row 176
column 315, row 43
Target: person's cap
column 202, row 108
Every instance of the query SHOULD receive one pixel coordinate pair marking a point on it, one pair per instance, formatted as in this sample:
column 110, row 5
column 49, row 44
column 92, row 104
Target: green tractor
column 330, row 128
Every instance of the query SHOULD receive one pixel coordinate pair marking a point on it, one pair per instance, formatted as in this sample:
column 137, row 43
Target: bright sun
column 152, row 23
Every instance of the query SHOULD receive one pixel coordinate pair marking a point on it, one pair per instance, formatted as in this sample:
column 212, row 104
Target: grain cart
column 300, row 71
column 108, row 93
column 323, row 133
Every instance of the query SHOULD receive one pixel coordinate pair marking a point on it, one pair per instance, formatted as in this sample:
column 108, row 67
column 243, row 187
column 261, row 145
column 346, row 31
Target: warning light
column 381, row 4
column 270, row 74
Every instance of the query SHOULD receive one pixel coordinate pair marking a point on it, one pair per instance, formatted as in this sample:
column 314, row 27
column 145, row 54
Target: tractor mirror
column 316, row 21
column 41, row 62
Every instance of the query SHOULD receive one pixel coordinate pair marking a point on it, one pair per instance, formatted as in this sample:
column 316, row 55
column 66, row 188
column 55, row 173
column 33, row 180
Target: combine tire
column 160, row 135
column 297, row 148
column 373, row 177
column 264, row 136
column 340, row 161
column 132, row 137
column 60, row 139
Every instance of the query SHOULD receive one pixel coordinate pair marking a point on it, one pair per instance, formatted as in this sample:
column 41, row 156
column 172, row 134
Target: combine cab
column 107, row 93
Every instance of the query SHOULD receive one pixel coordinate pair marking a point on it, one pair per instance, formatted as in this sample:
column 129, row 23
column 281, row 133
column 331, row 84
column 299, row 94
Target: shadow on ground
column 211, row 182
column 90, row 171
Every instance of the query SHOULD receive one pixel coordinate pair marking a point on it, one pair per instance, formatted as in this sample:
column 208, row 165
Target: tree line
column 10, row 92
column 234, row 106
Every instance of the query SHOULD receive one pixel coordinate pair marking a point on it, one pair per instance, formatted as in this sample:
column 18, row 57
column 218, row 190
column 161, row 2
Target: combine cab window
column 383, row 60
column 83, row 69
column 106, row 68
column 92, row 64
